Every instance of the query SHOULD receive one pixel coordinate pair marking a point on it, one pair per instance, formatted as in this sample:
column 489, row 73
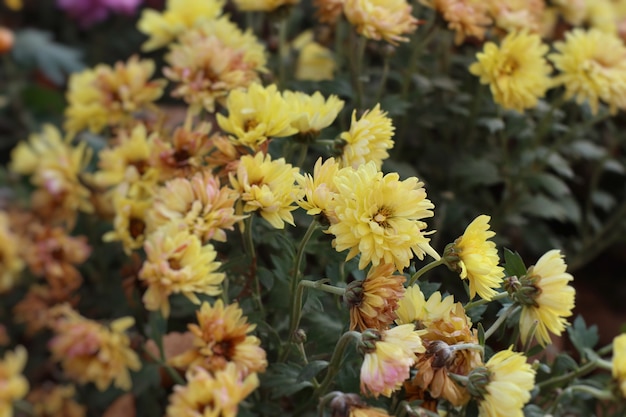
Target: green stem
column 171, row 371
column 358, row 68
column 323, row 287
column 597, row 393
column 248, row 239
column 583, row 370
column 546, row 121
column 498, row 296
column 335, row 362
column 509, row 311
column 304, row 148
column 425, row 269
column 383, row 80
column 283, row 52
column 467, row 346
column 605, row 350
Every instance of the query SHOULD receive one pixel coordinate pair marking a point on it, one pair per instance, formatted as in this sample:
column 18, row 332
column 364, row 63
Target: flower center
column 382, row 215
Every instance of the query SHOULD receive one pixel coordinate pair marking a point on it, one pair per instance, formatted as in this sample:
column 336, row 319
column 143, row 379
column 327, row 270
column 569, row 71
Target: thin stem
column 583, row 370
column 498, row 296
column 171, row 371
column 248, row 240
column 304, row 148
column 358, row 67
column 467, row 346
column 335, row 362
column 605, row 350
column 597, row 393
column 425, row 269
column 283, row 51
column 509, row 311
column 383, row 79
column 323, row 287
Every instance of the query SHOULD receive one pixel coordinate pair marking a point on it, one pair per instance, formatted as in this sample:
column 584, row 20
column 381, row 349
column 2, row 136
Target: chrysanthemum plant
column 274, row 252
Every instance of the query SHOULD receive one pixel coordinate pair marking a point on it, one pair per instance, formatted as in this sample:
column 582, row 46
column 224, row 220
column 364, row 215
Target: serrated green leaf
column 563, row 364
column 514, row 264
column 583, row 337
column 149, row 375
column 311, row 369
column 543, row 207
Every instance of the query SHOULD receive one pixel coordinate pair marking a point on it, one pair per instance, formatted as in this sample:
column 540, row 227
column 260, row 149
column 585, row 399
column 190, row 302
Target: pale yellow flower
column 380, row 217
column 129, row 224
column 516, row 71
column 601, row 15
column 14, row 385
column 315, row 63
column 178, row 16
column 573, row 11
column 10, row 262
column 312, row 113
column 263, row 5
column 381, row 19
column 619, row 362
column 414, row 308
column 319, row 189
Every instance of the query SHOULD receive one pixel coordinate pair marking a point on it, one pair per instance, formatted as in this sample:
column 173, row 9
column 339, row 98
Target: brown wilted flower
column 381, row 19
column 328, row 11
column 33, row 310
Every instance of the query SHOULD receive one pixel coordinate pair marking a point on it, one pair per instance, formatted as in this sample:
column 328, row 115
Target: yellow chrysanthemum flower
column 506, row 388
column 619, row 362
column 91, row 352
column 222, row 337
column 516, row 71
column 110, row 96
column 56, row 400
column 178, row 16
column 546, row 297
column 215, row 394
column 312, row 113
column 573, row 11
column 177, row 262
column 13, row 384
column 319, row 189
column 593, row 68
column 380, row 217
column 601, row 15
column 263, row 5
column 414, row 308
column 517, row 15
column 315, row 61
column 381, row 19
column 129, row 224
column 476, row 259
column 387, row 365
column 368, row 139
column 268, row 187
column 10, row 262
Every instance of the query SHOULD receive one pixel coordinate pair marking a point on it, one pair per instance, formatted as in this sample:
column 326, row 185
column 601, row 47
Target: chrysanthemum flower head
column 503, row 385
column 328, row 11
column 129, row 224
column 55, row 400
column 381, row 19
column 14, row 384
column 33, row 309
column 263, row 5
column 380, row 217
column 619, row 362
column 267, row 186
column 546, row 297
column 211, row 394
column 368, row 139
column 373, row 301
column 476, row 259
column 592, row 67
column 111, row 96
column 573, row 11
column 315, row 61
column 387, row 363
column 518, row 15
column 516, row 71
column 222, row 337
column 312, row 113
column 466, row 17
column 178, row 16
column 319, row 189
column 10, row 262
column 177, row 262
column 91, row 352
column 414, row 308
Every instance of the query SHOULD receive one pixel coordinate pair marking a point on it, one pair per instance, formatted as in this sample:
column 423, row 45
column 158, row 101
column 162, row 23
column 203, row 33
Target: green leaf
column 544, row 207
column 394, row 105
column 157, row 327
column 311, row 369
column 603, row 200
column 549, row 183
column 148, row 376
column 476, row 172
column 563, row 364
column 583, row 337
column 533, row 410
column 588, row 150
column 513, row 264
column 493, row 124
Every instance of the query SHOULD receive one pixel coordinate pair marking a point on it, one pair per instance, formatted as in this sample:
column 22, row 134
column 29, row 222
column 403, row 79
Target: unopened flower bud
column 441, row 353
column 477, row 382
column 300, row 336
column 354, row 293
column 367, row 344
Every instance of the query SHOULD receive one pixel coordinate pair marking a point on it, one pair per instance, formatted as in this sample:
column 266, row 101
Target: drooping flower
column 592, row 67
column 475, row 258
column 222, row 337
column 619, row 362
column 368, row 139
column 111, row 96
column 55, row 400
column 267, row 186
column 373, row 301
column 546, row 297
column 91, row 352
column 319, row 189
column 503, row 385
column 178, row 17
column 14, row 384
column 263, row 5
column 211, row 394
column 466, row 17
column 381, row 19
column 10, row 262
column 516, row 71
column 312, row 113
column 386, row 365
column 380, row 217
column 177, row 262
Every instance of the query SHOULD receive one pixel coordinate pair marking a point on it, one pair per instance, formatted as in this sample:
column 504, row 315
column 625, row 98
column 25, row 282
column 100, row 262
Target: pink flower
column 89, row 12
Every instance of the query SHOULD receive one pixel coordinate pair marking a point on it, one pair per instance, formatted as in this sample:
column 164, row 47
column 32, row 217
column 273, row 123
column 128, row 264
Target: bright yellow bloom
column 10, row 263
column 380, row 217
column 552, row 299
column 315, row 61
column 387, row 365
column 413, row 308
column 593, row 68
column 129, row 224
column 619, row 362
column 319, row 189
column 476, row 259
column 466, row 17
column 268, row 187
column 510, row 380
column 91, row 352
column 517, row 72
column 374, row 300
column 263, row 5
column 13, row 384
column 212, row 60
column 200, row 203
column 110, row 96
column 256, row 115
column 178, row 16
column 177, row 262
column 221, row 337
column 381, row 19
column 55, row 400
column 211, row 394
column 312, row 113
column 368, row 139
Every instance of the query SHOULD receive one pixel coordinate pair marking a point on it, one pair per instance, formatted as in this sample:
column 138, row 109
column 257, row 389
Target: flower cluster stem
column 482, row 301
column 425, row 269
column 509, row 311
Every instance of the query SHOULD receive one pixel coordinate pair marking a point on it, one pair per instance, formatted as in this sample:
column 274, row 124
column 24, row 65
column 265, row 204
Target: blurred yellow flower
column 129, row 224
column 14, row 384
column 549, row 300
column 268, row 187
column 593, row 68
column 381, row 19
column 312, row 113
column 516, row 71
column 315, row 63
column 14, row 4
column 380, row 217
column 468, row 18
column 178, row 16
column 619, row 362
column 476, row 259
column 263, row 5
column 177, row 262
column 221, row 338
column 56, row 400
column 111, row 96
column 573, row 11
column 319, row 189
column 91, row 352
column 517, row 15
column 602, row 15
column 10, row 262
column 368, row 139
